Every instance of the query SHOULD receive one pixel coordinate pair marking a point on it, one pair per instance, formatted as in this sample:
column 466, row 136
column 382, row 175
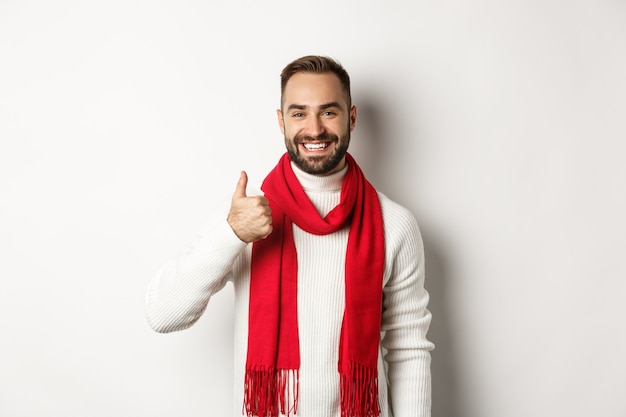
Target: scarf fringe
column 359, row 392
column 268, row 392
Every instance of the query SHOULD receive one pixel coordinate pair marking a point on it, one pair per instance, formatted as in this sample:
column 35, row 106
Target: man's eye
column 329, row 113
column 298, row 115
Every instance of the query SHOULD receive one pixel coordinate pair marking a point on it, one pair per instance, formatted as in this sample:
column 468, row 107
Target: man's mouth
column 318, row 146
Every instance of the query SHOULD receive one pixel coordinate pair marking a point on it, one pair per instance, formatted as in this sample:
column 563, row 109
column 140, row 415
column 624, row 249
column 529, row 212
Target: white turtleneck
column 178, row 294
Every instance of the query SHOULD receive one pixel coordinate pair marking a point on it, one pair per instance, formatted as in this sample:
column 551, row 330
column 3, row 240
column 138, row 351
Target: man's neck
column 326, row 183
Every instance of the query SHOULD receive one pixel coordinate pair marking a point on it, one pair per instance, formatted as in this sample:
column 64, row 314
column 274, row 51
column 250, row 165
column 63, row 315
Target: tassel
column 359, row 392
column 268, row 392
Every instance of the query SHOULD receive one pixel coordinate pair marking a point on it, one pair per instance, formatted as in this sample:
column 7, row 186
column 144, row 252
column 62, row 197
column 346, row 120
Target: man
column 322, row 266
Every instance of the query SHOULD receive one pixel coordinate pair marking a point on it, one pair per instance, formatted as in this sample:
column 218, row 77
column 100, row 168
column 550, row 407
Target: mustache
column 324, row 137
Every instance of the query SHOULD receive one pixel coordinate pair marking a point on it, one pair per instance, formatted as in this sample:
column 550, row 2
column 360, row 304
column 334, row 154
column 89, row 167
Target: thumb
column 240, row 189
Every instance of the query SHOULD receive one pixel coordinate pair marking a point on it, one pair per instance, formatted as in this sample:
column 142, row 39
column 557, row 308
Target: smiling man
column 331, row 310
column 317, row 121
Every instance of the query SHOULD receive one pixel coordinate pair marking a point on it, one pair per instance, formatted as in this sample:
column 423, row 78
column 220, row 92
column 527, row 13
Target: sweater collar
column 328, row 183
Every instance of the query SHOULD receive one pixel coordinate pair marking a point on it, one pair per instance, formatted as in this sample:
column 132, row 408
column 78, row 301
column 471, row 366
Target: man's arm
column 405, row 318
column 178, row 294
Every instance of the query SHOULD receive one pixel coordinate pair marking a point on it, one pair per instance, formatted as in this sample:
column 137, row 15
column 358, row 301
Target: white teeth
column 315, row 146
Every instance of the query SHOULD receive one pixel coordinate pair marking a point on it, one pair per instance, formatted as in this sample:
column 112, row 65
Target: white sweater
column 178, row 295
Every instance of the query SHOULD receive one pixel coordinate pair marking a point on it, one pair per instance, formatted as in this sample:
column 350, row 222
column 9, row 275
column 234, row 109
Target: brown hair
column 316, row 64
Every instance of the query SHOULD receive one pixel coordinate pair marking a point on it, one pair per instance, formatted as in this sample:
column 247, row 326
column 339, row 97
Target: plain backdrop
column 500, row 124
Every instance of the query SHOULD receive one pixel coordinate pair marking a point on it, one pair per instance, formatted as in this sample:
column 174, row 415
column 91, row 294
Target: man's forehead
column 313, row 89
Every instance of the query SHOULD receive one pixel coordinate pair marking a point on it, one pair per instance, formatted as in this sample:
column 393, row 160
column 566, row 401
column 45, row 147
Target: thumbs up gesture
column 249, row 217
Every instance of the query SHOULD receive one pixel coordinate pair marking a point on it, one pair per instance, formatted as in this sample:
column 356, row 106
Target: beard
column 318, row 165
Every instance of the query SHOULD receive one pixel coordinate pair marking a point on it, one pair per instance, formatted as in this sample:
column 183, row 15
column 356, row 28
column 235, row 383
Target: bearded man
column 331, row 310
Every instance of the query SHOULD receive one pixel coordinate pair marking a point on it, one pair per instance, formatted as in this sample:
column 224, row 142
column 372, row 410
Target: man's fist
column 249, row 217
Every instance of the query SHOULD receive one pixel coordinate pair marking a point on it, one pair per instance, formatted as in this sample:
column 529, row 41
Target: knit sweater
column 178, row 295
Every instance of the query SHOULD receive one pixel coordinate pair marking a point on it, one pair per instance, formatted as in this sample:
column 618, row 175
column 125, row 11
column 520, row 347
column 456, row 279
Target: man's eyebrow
column 329, row 105
column 297, row 107
column 322, row 107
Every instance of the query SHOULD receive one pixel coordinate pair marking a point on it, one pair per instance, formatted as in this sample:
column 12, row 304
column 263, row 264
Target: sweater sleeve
column 405, row 318
column 180, row 291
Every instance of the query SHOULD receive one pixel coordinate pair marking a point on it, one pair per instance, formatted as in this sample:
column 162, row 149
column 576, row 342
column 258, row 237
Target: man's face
column 316, row 122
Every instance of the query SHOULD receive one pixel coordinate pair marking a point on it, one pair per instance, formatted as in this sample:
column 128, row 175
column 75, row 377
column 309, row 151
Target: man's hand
column 249, row 217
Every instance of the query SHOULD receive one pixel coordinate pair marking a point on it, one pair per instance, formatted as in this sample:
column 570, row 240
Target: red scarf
column 271, row 379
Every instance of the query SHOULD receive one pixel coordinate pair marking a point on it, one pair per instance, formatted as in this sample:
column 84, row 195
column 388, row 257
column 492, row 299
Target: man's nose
column 314, row 127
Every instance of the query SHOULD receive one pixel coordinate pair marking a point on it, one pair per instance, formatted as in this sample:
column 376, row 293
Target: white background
column 501, row 125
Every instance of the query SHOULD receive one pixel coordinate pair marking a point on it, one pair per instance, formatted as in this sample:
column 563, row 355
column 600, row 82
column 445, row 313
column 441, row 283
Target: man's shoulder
column 392, row 208
column 401, row 229
column 395, row 212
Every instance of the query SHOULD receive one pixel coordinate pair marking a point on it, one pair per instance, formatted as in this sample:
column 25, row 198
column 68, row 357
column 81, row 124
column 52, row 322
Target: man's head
column 316, row 114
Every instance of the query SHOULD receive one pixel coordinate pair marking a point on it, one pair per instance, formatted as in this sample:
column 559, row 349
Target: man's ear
column 352, row 118
column 281, row 121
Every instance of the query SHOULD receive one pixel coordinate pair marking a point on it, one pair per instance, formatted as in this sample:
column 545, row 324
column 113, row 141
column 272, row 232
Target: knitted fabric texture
column 273, row 357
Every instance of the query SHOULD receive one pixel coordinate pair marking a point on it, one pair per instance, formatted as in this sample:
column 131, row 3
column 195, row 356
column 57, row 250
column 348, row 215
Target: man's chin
column 317, row 164
column 321, row 166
